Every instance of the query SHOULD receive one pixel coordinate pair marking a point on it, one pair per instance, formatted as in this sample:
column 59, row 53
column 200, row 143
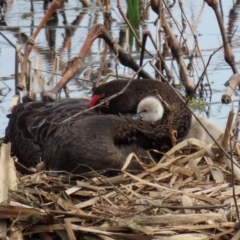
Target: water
column 66, row 42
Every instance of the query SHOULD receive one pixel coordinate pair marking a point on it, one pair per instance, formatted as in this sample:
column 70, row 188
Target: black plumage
column 51, row 132
column 136, row 91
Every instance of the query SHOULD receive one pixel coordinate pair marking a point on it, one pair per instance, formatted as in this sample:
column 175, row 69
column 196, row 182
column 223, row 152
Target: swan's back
column 92, row 141
column 32, row 124
column 38, row 131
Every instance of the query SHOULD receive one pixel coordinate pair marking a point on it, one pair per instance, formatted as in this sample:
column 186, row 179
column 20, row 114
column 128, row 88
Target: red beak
column 94, row 100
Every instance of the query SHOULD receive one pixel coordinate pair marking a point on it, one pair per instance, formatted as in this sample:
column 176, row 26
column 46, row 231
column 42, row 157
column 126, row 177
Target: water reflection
column 233, row 17
column 3, row 6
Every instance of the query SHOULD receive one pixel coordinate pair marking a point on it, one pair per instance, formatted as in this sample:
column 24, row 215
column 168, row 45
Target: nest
column 186, row 195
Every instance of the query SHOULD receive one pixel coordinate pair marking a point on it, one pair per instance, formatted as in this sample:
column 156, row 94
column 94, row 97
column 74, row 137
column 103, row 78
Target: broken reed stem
column 228, row 53
column 196, row 42
column 177, row 54
column 16, row 70
column 204, row 70
column 160, row 63
column 233, row 186
column 58, row 74
column 161, row 59
column 54, row 72
column 228, row 128
column 85, row 3
column 236, row 126
column 233, row 83
column 4, row 183
column 175, row 208
column 106, row 47
column 201, row 153
column 103, row 62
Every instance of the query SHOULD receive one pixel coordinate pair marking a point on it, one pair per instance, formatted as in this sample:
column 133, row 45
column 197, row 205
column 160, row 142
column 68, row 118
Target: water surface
column 61, row 37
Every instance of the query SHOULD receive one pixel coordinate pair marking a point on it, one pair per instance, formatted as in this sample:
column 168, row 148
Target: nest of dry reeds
column 187, row 195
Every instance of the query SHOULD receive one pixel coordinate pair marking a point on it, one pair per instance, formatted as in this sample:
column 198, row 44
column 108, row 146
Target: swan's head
column 150, row 109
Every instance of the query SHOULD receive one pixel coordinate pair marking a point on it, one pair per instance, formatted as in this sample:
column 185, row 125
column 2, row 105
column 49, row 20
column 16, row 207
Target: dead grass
column 185, row 196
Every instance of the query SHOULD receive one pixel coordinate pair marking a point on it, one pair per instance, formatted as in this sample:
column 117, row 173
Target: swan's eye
column 102, row 95
column 144, row 110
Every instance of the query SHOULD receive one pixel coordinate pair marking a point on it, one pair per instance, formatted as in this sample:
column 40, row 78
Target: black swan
column 39, row 130
column 130, row 98
column 134, row 93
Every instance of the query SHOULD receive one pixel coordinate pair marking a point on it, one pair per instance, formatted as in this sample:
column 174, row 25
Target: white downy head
column 150, row 109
